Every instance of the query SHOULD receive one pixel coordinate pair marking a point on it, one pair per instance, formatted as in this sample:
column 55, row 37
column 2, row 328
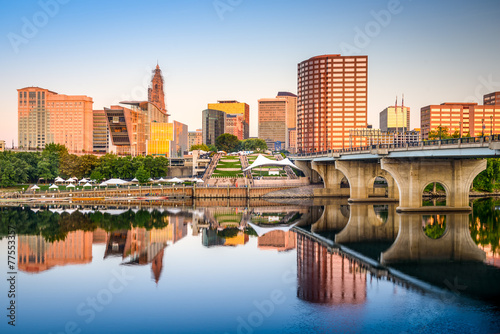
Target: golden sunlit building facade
column 232, row 107
column 47, row 117
column 332, row 99
column 36, row 254
column 161, row 136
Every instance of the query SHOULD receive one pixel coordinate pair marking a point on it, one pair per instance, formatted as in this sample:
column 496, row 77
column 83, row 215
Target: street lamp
column 491, row 125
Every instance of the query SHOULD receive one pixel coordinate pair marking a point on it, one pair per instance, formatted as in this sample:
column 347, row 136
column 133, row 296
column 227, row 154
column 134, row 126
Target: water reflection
column 327, row 277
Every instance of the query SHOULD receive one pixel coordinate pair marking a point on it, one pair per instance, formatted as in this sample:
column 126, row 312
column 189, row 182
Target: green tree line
column 230, row 143
column 54, row 160
column 56, row 226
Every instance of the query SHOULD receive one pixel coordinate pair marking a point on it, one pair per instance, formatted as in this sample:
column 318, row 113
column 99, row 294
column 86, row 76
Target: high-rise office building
column 46, row 117
column 395, row 118
column 277, row 118
column 100, row 134
column 272, row 121
column 484, row 120
column 130, row 128
column 454, row 116
column 492, row 99
column 179, row 144
column 464, row 118
column 195, row 138
column 213, row 125
column 232, row 107
column 291, row 119
column 332, row 99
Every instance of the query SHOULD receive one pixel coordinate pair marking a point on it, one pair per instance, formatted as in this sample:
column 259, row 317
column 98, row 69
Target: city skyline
column 213, row 50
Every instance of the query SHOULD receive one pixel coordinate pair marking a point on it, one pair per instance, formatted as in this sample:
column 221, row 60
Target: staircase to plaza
column 211, row 167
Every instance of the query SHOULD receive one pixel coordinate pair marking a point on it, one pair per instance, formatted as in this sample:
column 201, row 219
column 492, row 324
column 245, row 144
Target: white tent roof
column 161, row 180
column 35, row 187
column 263, row 161
column 263, row 230
column 70, row 180
column 116, row 181
column 71, row 185
column 59, row 179
column 197, row 180
column 53, row 187
column 103, row 184
column 175, row 180
column 134, row 180
column 83, row 180
column 87, row 185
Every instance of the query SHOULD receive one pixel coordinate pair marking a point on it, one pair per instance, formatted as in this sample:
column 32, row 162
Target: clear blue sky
column 432, row 51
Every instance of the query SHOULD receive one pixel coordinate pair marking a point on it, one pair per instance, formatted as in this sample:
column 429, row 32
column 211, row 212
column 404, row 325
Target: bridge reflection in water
column 335, row 255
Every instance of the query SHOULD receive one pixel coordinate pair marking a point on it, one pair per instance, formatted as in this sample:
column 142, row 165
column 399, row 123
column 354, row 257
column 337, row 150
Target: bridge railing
column 424, row 143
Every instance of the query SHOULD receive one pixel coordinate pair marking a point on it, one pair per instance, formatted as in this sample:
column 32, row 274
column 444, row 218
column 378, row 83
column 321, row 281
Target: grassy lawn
column 228, row 162
column 227, row 173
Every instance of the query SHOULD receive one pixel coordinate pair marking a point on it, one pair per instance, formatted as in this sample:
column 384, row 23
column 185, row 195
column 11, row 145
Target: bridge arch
column 413, row 175
column 435, row 187
column 362, row 175
column 332, row 180
column 434, row 226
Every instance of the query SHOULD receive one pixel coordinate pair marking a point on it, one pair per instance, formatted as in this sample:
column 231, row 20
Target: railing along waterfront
column 420, row 144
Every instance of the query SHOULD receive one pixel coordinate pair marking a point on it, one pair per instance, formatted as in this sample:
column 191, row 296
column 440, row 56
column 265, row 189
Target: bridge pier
column 365, row 226
column 334, row 218
column 361, row 176
column 413, row 175
column 307, row 169
column 332, row 178
column 412, row 245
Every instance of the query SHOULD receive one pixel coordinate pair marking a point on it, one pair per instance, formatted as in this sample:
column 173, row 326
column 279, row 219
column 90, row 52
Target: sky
column 209, row 50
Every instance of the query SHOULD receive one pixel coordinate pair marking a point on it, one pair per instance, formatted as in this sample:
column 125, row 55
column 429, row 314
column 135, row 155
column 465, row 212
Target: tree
column 441, row 132
column 212, row 148
column 96, row 175
column 142, row 175
column 252, row 144
column 227, row 142
column 202, row 147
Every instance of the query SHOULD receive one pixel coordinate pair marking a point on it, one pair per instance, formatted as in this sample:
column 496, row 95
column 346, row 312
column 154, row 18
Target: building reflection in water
column 325, row 277
column 136, row 246
column 278, row 240
column 37, row 255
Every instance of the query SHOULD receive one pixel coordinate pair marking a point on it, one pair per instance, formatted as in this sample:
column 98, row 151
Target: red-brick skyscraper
column 332, row 98
column 155, row 92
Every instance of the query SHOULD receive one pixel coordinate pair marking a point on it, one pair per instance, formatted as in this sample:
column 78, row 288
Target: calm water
column 252, row 268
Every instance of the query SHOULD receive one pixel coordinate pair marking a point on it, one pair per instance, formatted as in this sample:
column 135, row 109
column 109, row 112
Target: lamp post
column 491, row 126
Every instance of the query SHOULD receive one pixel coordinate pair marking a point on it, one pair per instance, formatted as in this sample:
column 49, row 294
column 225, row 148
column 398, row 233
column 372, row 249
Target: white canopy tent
column 35, row 187
column 263, row 230
column 116, row 182
column 103, row 184
column 71, row 185
column 58, row 180
column 197, row 180
column 161, row 180
column 174, row 180
column 53, row 187
column 87, row 185
column 263, row 161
